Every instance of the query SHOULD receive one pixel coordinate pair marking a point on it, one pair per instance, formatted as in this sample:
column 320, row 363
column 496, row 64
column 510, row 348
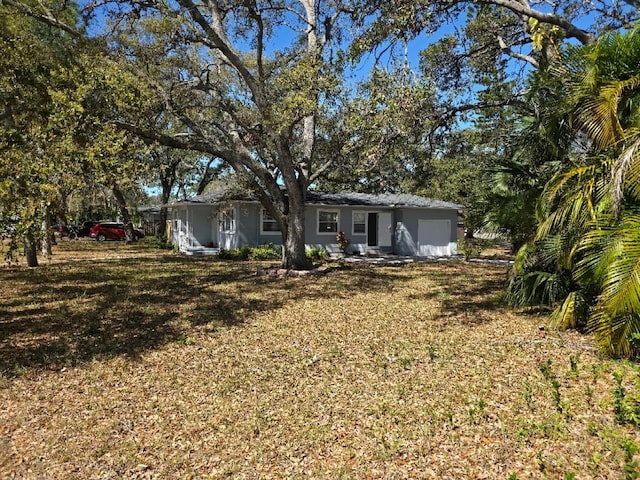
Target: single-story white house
column 399, row 224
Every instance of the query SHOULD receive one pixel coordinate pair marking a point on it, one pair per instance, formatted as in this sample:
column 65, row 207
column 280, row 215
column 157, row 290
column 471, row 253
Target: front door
column 372, row 230
column 227, row 234
column 379, row 229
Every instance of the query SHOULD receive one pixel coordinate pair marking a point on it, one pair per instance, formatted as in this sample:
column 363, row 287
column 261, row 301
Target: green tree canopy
column 32, row 163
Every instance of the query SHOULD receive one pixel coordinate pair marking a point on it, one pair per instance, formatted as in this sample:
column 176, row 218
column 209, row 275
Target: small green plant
column 545, row 369
column 225, row 254
column 244, row 252
column 527, row 393
column 573, row 361
column 261, row 252
column 555, row 392
column 431, row 351
column 626, row 407
column 547, row 373
column 477, row 408
column 405, row 361
column 619, row 394
column 588, row 392
column 317, row 254
column 631, row 466
column 542, row 466
column 470, row 248
column 184, row 339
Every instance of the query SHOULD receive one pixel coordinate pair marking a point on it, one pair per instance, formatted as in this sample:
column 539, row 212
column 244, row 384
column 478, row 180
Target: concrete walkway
column 402, row 260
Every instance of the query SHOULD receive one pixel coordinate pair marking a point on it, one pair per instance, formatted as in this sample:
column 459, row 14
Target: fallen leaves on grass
column 176, row 367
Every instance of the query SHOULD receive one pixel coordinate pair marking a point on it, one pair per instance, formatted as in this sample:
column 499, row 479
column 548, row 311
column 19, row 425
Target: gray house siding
column 263, row 238
column 357, row 240
column 249, row 227
column 200, row 222
column 246, row 224
column 192, row 225
column 327, row 240
column 407, row 225
column 401, row 224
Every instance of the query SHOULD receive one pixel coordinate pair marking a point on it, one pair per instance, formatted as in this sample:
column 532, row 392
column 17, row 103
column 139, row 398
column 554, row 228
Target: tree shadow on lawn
column 469, row 293
column 67, row 314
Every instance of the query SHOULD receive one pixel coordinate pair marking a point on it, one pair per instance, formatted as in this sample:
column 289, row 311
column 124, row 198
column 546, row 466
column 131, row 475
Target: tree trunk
column 294, row 255
column 30, row 249
column 63, row 209
column 167, row 186
column 207, row 177
column 161, row 231
column 124, row 211
column 47, row 233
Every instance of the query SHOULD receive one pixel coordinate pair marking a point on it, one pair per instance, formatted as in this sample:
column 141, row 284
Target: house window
column 268, row 223
column 327, row 221
column 359, row 223
column 228, row 220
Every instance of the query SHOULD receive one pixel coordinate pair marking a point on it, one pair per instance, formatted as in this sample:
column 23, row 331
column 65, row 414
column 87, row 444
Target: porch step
column 199, row 251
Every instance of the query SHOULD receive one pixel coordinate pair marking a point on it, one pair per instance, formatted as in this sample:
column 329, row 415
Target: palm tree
column 589, row 213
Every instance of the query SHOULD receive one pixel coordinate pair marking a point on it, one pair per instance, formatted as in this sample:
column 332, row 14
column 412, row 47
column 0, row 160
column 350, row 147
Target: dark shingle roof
column 390, row 200
column 215, row 197
column 380, row 200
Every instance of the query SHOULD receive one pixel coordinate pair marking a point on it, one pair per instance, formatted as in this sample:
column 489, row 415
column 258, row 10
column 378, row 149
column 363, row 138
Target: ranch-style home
column 399, row 224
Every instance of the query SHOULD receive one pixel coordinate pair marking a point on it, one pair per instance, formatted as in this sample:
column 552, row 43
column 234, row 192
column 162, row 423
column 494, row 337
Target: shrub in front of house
column 261, row 252
column 265, row 252
column 343, row 242
column 241, row 253
column 160, row 241
column 317, row 254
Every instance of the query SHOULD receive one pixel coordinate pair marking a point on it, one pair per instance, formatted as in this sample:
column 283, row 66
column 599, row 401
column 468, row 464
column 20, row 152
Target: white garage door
column 434, row 237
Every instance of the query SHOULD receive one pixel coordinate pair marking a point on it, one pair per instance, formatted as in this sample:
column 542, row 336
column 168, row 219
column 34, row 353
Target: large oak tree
column 241, row 81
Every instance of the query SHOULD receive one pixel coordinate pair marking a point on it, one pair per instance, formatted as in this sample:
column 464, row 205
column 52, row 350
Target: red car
column 112, row 231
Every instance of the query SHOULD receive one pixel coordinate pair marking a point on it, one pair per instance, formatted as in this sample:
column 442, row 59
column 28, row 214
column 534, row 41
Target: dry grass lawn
column 128, row 362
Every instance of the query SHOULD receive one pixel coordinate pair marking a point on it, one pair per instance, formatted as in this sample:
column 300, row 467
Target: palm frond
column 611, row 260
column 596, row 252
column 598, row 118
column 614, row 334
column 555, row 187
column 538, row 288
column 524, row 258
column 564, row 316
column 627, row 165
column 574, row 210
column 621, row 283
